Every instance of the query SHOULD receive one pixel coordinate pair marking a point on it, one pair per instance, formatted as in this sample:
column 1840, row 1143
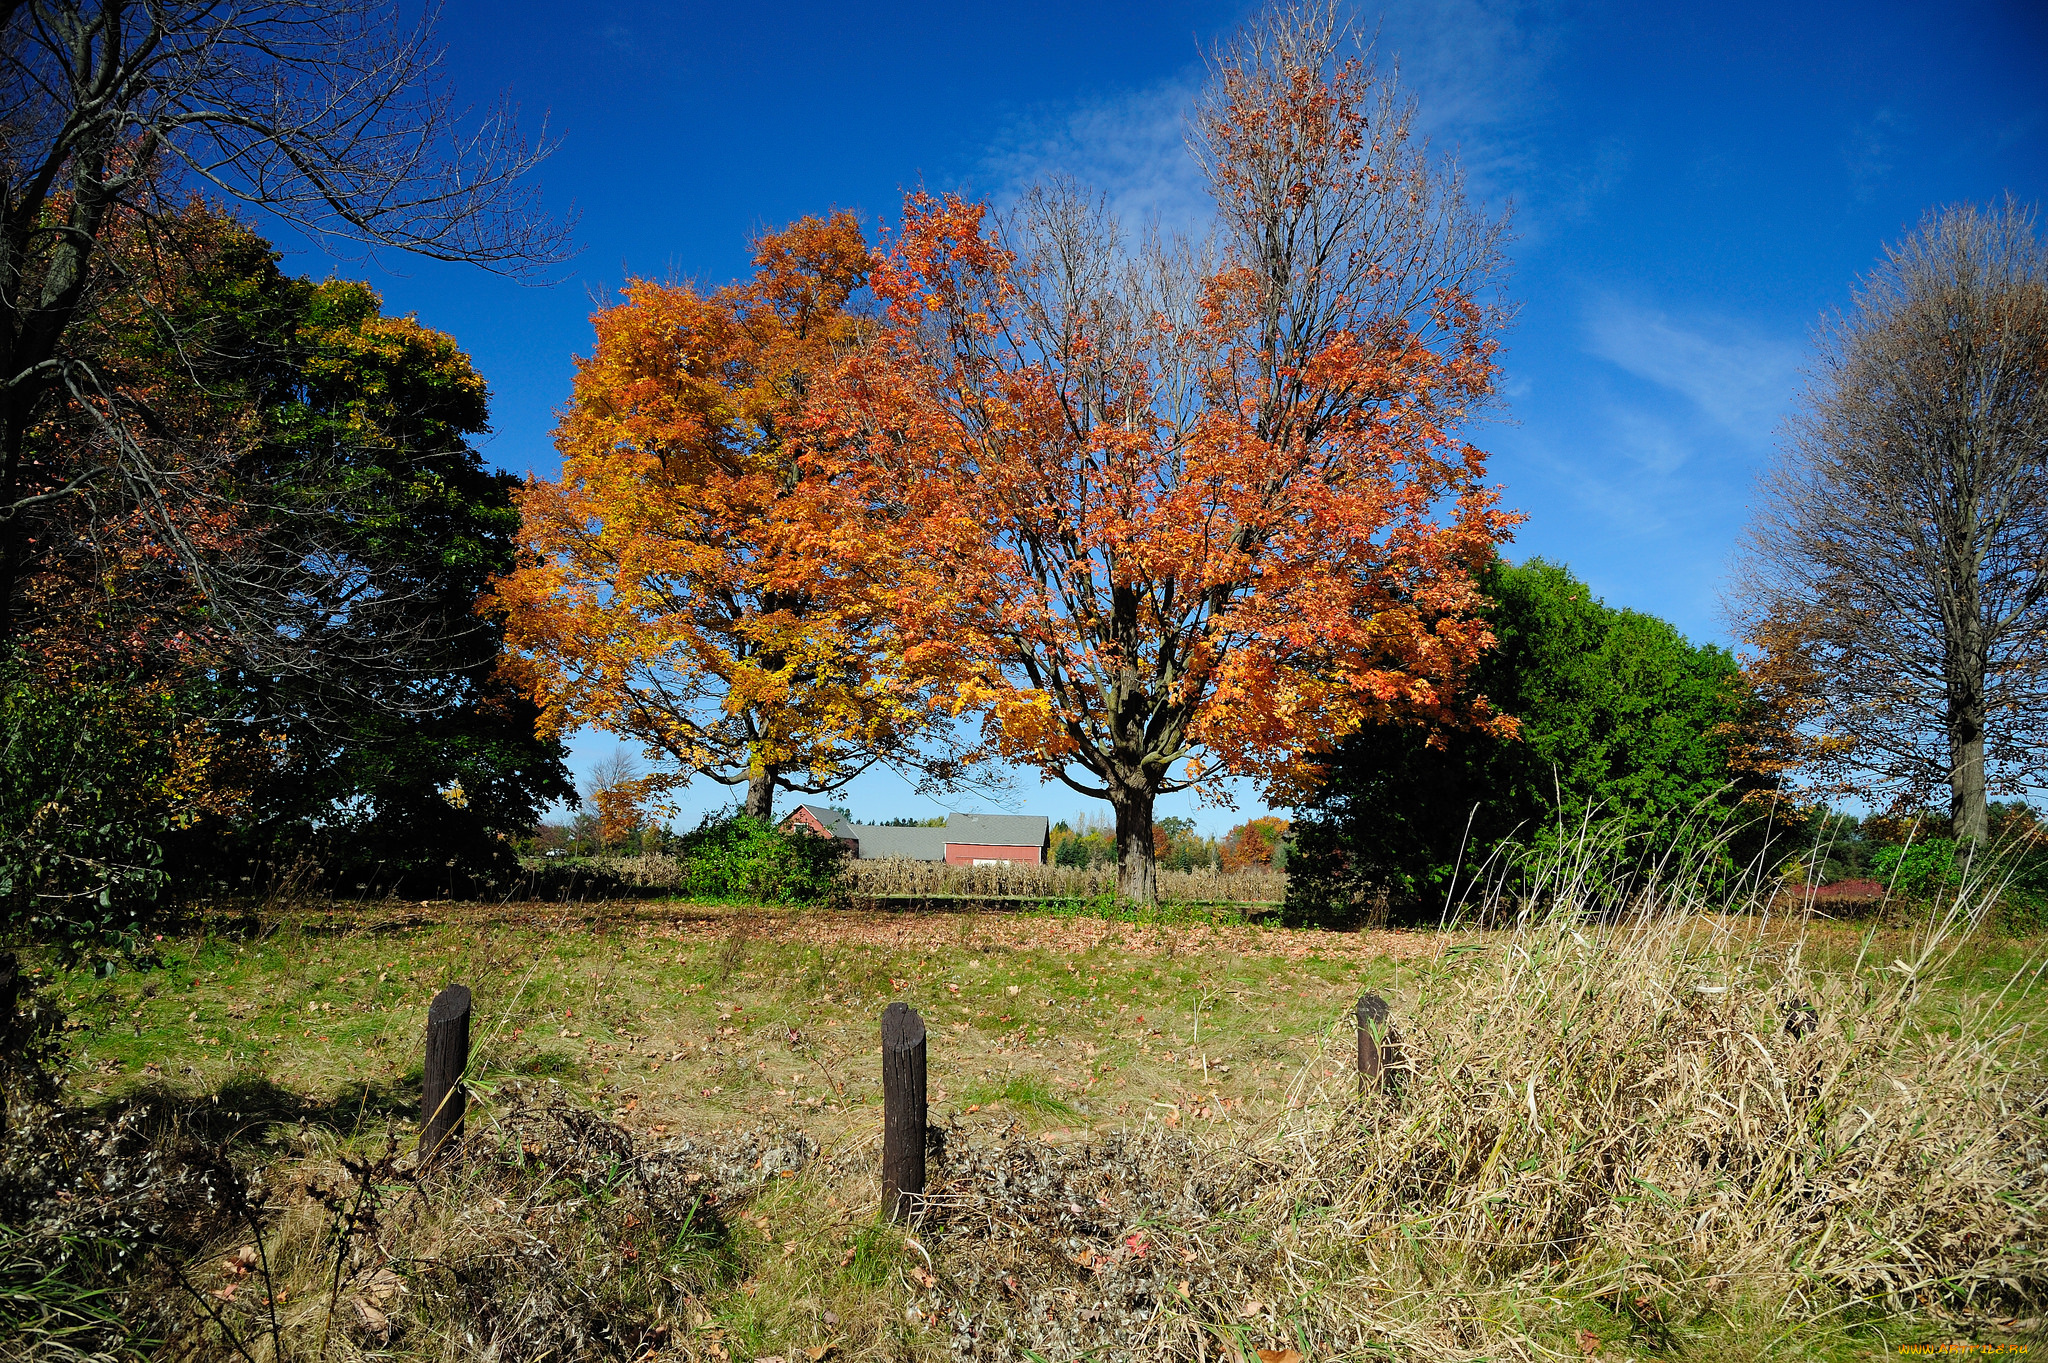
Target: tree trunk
column 1969, row 818
column 761, row 796
column 1137, row 867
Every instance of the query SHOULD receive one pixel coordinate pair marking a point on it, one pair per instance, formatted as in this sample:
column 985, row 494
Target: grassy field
column 1100, row 1059
column 700, row 1017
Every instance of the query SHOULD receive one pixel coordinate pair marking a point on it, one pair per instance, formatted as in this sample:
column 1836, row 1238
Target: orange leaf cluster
column 1127, row 555
column 689, row 583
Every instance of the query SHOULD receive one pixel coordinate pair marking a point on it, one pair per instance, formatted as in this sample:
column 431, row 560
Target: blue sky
column 1693, row 187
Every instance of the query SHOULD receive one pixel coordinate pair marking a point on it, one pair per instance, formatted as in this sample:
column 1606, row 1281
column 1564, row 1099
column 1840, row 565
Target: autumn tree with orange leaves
column 693, row 582
column 1171, row 512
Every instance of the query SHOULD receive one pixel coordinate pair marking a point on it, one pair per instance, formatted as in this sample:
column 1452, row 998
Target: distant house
column 966, row 840
column 825, row 823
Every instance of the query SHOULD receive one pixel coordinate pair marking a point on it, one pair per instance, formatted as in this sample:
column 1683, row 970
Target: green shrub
column 738, row 857
column 2014, row 877
column 84, row 807
column 1917, row 868
column 1623, row 722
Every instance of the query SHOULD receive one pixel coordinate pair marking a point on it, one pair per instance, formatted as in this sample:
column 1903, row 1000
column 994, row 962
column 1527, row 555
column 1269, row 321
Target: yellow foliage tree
column 692, row 582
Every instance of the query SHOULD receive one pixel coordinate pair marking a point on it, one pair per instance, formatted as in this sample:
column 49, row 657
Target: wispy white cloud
column 1647, row 439
column 1623, row 502
column 1870, row 153
column 1475, row 67
column 1130, row 146
column 1740, row 379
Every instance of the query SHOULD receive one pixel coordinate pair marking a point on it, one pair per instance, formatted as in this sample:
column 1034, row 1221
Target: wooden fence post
column 10, row 1000
column 10, row 994
column 442, row 1096
column 903, row 1108
column 1372, row 1031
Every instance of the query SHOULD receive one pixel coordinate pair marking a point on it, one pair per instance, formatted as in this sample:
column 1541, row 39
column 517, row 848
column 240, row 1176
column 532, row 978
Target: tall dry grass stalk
column 1670, row 1111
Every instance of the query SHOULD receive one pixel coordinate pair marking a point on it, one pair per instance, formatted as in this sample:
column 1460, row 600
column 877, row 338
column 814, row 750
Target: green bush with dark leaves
column 1625, row 725
column 741, row 858
column 85, row 768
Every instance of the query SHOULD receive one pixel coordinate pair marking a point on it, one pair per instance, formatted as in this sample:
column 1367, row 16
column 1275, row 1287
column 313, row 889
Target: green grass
column 702, row 1018
column 1023, row 1092
column 618, row 1008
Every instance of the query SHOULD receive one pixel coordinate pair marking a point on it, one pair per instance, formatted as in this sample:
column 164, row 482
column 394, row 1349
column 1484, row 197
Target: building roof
column 998, row 830
column 839, row 824
column 880, row 843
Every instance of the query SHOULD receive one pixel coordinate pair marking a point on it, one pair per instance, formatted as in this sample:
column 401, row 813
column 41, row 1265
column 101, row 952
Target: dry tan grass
column 646, row 871
column 1670, row 1122
column 935, row 880
column 1016, row 880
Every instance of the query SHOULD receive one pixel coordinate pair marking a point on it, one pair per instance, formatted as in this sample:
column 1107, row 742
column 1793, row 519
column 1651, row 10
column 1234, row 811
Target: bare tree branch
column 333, row 117
column 1894, row 573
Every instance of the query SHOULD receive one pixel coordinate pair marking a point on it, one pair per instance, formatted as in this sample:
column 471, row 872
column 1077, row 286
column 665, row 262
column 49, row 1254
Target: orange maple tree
column 1164, row 516
column 1251, row 844
column 692, row 582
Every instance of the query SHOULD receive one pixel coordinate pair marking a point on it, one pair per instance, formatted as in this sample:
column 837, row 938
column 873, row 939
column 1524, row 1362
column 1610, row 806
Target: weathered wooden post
column 1372, row 1034
column 903, row 1108
column 442, row 1096
column 10, row 994
column 10, row 1001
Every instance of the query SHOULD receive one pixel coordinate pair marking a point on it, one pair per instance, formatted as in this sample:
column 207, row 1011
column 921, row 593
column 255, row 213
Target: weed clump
column 1660, row 1117
column 553, row 1234
column 1118, row 1247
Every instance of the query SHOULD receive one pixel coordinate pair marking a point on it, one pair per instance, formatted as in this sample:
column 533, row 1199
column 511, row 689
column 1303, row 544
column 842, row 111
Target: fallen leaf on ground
column 374, row 1324
column 383, row 1286
column 1250, row 1309
column 1589, row 1343
column 1279, row 1356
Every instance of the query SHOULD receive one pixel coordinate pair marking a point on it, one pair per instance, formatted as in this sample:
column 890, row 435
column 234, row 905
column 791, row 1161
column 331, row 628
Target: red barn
column 966, row 839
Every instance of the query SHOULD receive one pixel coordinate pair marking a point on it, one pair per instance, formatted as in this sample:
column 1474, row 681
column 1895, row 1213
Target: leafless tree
column 1893, row 577
column 611, row 773
column 330, row 117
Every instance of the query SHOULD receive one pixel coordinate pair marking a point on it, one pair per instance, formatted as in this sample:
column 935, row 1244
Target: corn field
column 935, row 880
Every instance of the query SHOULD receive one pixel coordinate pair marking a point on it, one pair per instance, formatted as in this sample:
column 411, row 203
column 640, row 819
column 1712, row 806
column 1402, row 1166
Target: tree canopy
column 1164, row 511
column 694, row 581
column 334, row 118
column 1616, row 716
column 345, row 474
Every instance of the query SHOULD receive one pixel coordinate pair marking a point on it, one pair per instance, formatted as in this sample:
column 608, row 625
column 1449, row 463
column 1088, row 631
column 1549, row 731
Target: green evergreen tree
column 1621, row 717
